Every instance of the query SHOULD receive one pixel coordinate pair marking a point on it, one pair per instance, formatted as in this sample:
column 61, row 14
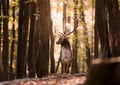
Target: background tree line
column 28, row 34
column 29, row 38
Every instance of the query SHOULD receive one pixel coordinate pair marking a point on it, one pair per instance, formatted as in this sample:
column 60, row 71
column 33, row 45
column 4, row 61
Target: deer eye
column 60, row 38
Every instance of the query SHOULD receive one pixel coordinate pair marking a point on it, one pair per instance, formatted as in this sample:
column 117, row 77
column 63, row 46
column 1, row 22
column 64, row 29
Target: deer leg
column 67, row 68
column 61, row 68
column 64, row 68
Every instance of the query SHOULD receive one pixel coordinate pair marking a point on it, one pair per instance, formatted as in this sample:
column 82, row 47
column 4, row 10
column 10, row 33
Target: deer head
column 61, row 39
column 66, row 52
column 64, row 36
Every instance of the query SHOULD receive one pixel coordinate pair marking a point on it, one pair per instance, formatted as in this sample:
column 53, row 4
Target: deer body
column 66, row 54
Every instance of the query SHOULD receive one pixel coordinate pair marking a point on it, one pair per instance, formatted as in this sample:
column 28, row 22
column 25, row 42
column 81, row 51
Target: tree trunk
column 96, row 42
column 22, row 39
column 107, row 71
column 2, row 73
column 42, row 62
column 1, row 20
column 114, row 26
column 5, row 7
column 75, row 44
column 64, row 15
column 12, row 46
column 52, row 69
column 85, row 34
column 31, row 57
column 25, row 37
column 20, row 58
column 101, row 22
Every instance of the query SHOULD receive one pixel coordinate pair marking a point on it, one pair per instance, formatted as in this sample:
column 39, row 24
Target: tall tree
column 12, row 44
column 85, row 34
column 19, row 48
column 52, row 38
column 64, row 15
column 106, row 71
column 75, row 41
column 25, row 36
column 5, row 7
column 114, row 26
column 0, row 26
column 22, row 38
column 101, row 22
column 31, row 56
column 42, row 63
column 96, row 41
column 2, row 73
column 36, row 38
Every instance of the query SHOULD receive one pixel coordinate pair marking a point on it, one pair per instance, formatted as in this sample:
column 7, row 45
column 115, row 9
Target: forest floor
column 76, row 79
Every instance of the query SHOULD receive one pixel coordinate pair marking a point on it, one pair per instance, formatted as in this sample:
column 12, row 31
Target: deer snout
column 57, row 42
column 60, row 41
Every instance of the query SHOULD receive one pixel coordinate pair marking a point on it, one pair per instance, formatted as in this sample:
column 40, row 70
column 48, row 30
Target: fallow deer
column 66, row 53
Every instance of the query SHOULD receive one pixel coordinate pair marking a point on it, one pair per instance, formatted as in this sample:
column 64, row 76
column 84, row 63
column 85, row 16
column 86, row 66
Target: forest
column 72, row 39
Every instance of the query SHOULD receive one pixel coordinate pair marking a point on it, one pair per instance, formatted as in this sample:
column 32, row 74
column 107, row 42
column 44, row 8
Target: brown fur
column 66, row 54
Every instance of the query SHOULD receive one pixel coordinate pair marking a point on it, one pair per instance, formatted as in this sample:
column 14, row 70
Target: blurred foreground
column 76, row 79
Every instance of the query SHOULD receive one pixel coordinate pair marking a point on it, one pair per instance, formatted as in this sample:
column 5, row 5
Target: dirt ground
column 57, row 79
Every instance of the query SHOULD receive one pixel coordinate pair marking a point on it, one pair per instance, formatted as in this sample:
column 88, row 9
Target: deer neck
column 65, row 44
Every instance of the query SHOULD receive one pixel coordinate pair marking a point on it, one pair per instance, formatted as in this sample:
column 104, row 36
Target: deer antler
column 61, row 34
column 75, row 26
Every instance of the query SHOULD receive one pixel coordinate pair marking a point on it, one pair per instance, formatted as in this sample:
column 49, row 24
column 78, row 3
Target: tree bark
column 25, row 37
column 96, row 42
column 114, row 26
column 31, row 57
column 52, row 69
column 42, row 63
column 2, row 73
column 20, row 57
column 107, row 71
column 75, row 44
column 12, row 46
column 5, row 7
column 85, row 33
column 101, row 26
column 64, row 15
